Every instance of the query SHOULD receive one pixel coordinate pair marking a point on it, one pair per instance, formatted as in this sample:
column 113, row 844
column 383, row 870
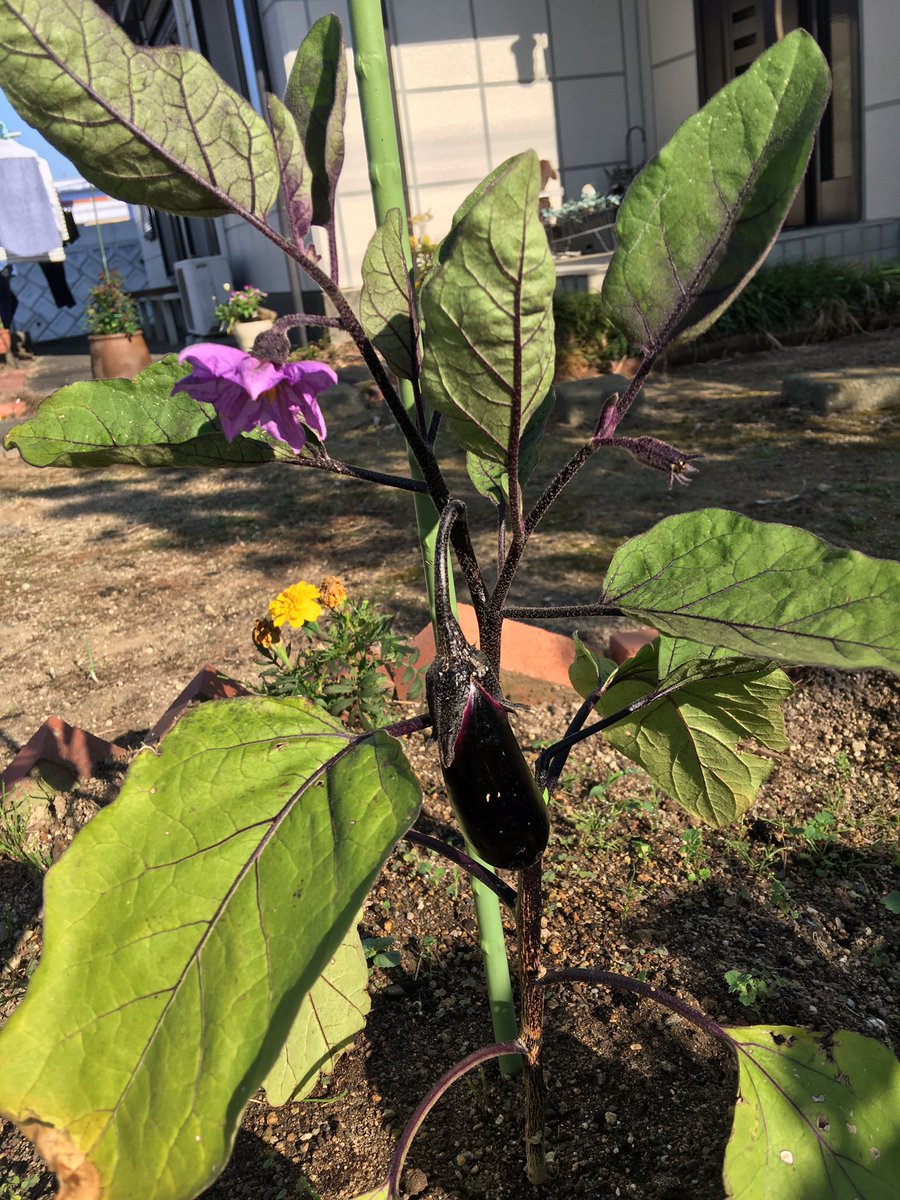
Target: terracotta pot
column 5, row 341
column 118, row 355
column 245, row 333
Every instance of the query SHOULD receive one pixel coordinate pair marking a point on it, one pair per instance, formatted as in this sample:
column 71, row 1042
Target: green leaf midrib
column 689, row 292
column 193, row 959
column 739, row 627
column 140, row 134
column 741, row 1048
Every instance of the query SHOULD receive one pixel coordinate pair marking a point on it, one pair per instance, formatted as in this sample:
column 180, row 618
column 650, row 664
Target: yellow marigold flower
column 296, row 605
column 333, row 592
column 265, row 633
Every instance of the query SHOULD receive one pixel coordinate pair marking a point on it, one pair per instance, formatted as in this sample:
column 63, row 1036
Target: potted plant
column 243, row 316
column 118, row 349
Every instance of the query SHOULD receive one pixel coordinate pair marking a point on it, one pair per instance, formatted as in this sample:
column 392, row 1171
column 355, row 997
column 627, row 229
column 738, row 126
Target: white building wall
column 671, row 51
column 478, row 81
column 880, row 55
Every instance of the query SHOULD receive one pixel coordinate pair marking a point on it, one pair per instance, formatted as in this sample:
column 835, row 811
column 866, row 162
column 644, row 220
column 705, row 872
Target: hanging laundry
column 55, row 274
column 9, row 301
column 32, row 225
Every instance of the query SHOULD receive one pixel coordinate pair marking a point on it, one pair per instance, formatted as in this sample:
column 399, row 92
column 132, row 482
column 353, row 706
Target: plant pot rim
column 264, row 314
column 103, row 337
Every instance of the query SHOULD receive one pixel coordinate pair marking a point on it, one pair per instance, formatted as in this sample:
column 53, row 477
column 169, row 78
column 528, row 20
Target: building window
column 732, row 33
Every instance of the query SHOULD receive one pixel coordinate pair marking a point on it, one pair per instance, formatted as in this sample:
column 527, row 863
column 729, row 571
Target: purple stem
column 398, row 1158
column 624, row 983
column 292, row 320
column 407, row 726
column 600, row 609
column 338, row 468
column 332, row 244
column 488, row 878
column 573, row 738
column 606, row 426
column 547, row 769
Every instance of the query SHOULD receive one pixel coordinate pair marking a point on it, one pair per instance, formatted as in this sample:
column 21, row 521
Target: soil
column 119, row 584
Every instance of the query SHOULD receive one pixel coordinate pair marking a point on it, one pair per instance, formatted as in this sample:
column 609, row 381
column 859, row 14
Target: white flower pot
column 245, row 333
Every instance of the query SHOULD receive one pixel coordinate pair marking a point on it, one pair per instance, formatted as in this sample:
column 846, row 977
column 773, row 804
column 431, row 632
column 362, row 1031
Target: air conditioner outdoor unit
column 200, row 282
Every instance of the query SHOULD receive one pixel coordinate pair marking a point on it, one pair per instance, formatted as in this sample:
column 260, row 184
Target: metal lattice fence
column 37, row 312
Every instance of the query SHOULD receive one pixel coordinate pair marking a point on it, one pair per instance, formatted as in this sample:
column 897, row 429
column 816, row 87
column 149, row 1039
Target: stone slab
column 859, row 389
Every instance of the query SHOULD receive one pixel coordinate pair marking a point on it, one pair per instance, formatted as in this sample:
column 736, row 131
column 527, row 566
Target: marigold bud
column 333, row 593
column 265, row 633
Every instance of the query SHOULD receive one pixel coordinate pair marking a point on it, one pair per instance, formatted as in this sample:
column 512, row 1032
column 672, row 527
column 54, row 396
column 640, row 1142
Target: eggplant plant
column 191, row 922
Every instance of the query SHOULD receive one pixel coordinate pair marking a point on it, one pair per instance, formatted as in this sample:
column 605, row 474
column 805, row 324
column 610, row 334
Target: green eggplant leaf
column 675, row 651
column 387, row 309
column 763, row 590
column 587, row 668
column 333, row 1012
column 813, row 1119
column 691, row 742
column 184, row 927
column 138, row 422
column 473, row 196
column 700, row 218
column 148, row 125
column 293, row 168
column 491, row 479
column 316, row 97
column 488, row 316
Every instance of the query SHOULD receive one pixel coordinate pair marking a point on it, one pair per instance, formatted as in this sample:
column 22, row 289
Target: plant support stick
column 383, row 151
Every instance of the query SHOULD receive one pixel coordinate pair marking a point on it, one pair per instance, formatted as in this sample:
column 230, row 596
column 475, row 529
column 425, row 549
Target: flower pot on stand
column 118, row 355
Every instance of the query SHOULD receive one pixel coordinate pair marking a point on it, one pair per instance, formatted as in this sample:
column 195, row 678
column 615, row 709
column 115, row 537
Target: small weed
column 476, row 1082
column 378, row 953
column 752, row 990
column 782, row 899
column 427, row 953
column 695, row 856
column 18, row 1187
column 595, row 821
column 91, row 669
column 433, row 872
column 843, row 765
column 14, row 837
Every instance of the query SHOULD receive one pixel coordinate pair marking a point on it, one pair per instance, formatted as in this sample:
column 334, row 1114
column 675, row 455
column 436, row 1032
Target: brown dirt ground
column 108, row 609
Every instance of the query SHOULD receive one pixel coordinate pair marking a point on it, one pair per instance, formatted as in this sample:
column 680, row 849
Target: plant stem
column 386, row 178
column 528, row 920
column 427, row 1104
column 624, row 983
column 474, row 868
column 335, row 467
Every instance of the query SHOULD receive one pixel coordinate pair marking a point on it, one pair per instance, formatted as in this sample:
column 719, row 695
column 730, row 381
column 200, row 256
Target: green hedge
column 824, row 298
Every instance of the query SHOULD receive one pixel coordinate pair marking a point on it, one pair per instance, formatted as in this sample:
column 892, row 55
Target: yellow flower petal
column 296, row 605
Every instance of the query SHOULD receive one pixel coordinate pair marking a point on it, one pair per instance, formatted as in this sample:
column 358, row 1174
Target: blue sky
column 59, row 166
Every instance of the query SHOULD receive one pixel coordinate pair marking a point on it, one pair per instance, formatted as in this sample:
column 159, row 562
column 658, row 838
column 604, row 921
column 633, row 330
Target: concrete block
column 860, row 389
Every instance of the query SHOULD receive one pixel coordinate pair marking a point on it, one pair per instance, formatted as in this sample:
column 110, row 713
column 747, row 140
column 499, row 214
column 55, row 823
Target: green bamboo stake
column 386, row 179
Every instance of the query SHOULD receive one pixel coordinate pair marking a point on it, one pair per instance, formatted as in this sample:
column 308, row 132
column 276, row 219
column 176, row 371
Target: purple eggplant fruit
column 495, row 797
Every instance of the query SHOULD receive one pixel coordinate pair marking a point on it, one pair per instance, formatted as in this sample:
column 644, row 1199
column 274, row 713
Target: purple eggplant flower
column 246, row 392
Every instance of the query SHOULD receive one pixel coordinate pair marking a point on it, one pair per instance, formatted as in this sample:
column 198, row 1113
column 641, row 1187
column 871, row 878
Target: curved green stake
column 386, row 177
